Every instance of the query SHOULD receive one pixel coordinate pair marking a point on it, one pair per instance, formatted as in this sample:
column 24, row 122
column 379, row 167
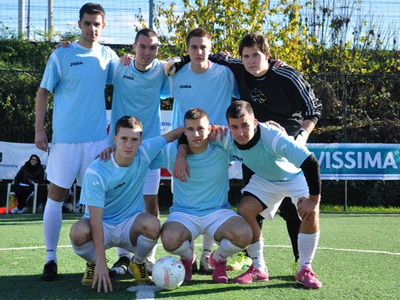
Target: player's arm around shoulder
column 173, row 134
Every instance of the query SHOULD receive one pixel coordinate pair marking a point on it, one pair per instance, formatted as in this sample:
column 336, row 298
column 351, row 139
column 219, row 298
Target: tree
column 229, row 21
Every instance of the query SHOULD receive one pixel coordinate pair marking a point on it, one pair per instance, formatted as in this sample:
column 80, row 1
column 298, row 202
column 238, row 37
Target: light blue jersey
column 79, row 76
column 119, row 190
column 211, row 91
column 138, row 94
column 276, row 157
column 206, row 190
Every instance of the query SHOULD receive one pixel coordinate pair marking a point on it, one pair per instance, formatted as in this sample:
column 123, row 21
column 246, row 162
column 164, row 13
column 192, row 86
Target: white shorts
column 206, row 225
column 69, row 161
column 272, row 193
column 152, row 182
column 118, row 235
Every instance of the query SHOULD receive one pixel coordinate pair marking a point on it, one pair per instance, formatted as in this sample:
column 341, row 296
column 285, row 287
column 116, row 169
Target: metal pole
column 21, row 18
column 315, row 18
column 345, row 131
column 151, row 13
column 345, row 195
column 50, row 19
column 28, row 26
column 345, row 109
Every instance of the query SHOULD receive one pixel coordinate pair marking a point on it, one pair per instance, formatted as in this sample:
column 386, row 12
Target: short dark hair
column 146, row 32
column 239, row 108
column 197, row 32
column 128, row 122
column 195, row 114
column 92, row 9
column 254, row 39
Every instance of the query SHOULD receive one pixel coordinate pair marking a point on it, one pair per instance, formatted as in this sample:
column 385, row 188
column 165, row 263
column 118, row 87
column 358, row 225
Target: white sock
column 122, row 252
column 307, row 246
column 143, row 248
column 184, row 251
column 208, row 244
column 225, row 249
column 52, row 221
column 152, row 254
column 255, row 252
column 86, row 251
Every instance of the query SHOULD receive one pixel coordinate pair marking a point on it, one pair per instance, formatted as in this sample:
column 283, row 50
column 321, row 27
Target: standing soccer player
column 137, row 91
column 78, row 75
column 205, row 85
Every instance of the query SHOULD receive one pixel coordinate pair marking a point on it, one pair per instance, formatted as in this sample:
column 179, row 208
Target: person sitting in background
column 30, row 173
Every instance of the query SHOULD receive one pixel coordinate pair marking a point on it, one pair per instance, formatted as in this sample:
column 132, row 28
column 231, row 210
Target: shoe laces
column 90, row 271
column 241, row 256
column 141, row 269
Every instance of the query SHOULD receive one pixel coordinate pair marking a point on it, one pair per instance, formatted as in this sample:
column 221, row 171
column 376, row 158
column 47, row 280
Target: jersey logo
column 128, row 77
column 96, row 183
column 119, row 185
column 237, row 158
column 258, row 96
column 76, row 63
column 185, row 86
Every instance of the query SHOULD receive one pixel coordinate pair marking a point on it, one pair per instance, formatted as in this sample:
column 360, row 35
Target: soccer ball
column 168, row 273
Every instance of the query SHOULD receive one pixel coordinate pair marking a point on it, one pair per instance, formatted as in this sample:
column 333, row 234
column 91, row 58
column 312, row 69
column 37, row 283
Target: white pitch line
column 144, row 292
column 266, row 246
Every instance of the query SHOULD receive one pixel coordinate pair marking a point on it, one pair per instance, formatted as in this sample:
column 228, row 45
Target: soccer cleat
column 188, row 263
column 49, row 271
column 195, row 269
column 21, row 211
column 120, row 267
column 149, row 265
column 219, row 269
column 88, row 276
column 205, row 267
column 307, row 278
column 139, row 272
column 251, row 275
column 15, row 210
column 239, row 262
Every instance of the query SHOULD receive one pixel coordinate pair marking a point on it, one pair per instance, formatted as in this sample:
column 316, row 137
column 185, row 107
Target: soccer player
column 137, row 91
column 200, row 205
column 280, row 94
column 283, row 168
column 205, row 85
column 78, row 74
column 201, row 83
column 113, row 194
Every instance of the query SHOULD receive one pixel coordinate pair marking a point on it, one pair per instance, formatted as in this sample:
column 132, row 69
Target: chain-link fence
column 357, row 109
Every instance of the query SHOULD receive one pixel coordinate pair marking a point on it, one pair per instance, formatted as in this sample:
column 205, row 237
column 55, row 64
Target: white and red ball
column 168, row 273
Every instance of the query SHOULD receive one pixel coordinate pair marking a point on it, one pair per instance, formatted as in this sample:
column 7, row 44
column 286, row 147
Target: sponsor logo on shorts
column 185, row 86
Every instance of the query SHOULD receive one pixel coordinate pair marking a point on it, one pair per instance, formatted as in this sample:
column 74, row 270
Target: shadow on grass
column 68, row 286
